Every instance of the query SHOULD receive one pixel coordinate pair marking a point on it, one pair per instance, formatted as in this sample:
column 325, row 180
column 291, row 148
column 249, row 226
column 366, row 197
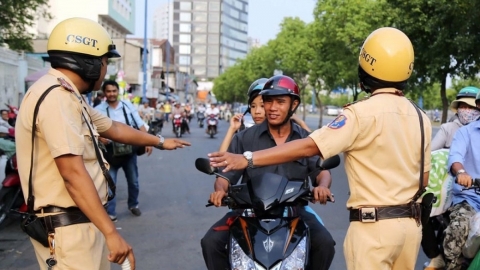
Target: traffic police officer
column 381, row 141
column 67, row 178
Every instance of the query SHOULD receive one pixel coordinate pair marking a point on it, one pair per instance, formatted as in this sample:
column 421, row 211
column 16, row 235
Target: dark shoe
column 113, row 218
column 135, row 211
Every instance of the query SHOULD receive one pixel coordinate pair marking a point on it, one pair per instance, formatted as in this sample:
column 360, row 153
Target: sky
column 264, row 16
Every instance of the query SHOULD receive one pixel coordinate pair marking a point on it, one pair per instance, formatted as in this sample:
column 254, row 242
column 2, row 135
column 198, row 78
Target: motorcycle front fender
column 11, row 180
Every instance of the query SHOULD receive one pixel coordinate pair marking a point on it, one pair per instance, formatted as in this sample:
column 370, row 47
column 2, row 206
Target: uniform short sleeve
column 101, row 121
column 338, row 136
column 60, row 122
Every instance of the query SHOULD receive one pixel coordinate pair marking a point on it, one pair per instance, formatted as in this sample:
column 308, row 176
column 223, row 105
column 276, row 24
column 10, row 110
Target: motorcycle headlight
column 296, row 260
column 240, row 260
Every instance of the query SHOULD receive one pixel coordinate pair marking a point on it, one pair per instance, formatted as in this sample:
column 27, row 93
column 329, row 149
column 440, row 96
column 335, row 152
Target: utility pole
column 167, row 87
column 144, row 96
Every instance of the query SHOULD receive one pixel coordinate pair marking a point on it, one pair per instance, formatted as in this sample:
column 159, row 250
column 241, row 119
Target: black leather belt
column 373, row 214
column 56, row 209
column 64, row 219
column 68, row 216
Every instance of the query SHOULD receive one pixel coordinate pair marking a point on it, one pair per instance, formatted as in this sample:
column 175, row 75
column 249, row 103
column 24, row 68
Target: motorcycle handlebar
column 226, row 201
column 475, row 184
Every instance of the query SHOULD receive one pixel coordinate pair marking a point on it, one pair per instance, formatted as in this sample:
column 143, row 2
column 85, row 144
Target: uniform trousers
column 79, row 246
column 390, row 244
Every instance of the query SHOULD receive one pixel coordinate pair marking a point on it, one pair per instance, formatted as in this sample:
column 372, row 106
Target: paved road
column 172, row 198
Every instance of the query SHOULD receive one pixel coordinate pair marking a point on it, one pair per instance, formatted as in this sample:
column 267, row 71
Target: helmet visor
column 112, row 51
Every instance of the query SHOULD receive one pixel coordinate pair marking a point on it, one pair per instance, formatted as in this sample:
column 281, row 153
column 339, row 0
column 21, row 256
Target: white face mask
column 467, row 115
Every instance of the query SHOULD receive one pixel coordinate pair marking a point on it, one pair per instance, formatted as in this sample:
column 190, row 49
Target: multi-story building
column 117, row 16
column 208, row 35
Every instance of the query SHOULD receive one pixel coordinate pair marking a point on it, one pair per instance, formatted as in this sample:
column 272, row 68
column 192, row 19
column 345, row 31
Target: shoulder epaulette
column 65, row 84
column 351, row 103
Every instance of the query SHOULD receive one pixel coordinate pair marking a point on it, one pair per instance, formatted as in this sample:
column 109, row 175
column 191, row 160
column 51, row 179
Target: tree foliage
column 445, row 36
column 16, row 16
column 324, row 54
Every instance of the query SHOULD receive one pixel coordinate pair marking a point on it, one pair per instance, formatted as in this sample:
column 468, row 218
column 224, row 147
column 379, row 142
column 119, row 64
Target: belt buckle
column 368, row 214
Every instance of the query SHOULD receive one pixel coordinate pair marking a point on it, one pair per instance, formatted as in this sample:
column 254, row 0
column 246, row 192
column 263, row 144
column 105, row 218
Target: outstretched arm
column 287, row 152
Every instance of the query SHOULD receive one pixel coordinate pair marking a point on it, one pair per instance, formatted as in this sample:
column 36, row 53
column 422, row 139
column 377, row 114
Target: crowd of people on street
column 69, row 154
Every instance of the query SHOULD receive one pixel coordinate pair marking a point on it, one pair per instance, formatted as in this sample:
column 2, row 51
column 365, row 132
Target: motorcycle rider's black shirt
column 258, row 137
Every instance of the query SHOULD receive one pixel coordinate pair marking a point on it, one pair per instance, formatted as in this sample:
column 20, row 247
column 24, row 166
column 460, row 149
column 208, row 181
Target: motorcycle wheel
column 179, row 132
column 6, row 197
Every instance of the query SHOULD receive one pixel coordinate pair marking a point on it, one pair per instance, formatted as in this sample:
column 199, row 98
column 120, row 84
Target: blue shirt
column 116, row 114
column 465, row 150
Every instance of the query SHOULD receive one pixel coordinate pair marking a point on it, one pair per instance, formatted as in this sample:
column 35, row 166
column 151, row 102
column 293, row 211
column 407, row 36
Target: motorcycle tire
column 178, row 132
column 6, row 203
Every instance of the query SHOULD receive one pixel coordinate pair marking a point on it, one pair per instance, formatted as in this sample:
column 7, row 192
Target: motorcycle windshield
column 269, row 190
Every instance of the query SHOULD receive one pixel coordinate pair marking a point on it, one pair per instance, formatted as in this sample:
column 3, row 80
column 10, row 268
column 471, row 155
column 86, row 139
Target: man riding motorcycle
column 281, row 98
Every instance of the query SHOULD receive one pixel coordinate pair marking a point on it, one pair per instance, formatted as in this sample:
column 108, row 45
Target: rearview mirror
column 203, row 165
column 329, row 163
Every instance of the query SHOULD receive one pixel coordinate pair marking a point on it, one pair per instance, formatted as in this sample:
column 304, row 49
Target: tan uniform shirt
column 60, row 130
column 380, row 138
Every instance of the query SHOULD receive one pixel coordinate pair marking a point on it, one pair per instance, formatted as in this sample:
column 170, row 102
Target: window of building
column 199, row 49
column 239, row 5
column 184, row 49
column 199, row 71
column 185, row 38
column 214, row 6
column 213, row 28
column 185, row 27
column 200, row 28
column 185, row 5
column 199, row 5
column 184, row 60
column 212, row 60
column 214, row 17
column 244, row 17
column 199, row 60
column 200, row 17
column 213, row 39
column 199, row 38
column 185, row 17
column 212, row 71
column 213, row 49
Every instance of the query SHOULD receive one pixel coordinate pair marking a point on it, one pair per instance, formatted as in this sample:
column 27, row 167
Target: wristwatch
column 160, row 144
column 249, row 157
column 460, row 171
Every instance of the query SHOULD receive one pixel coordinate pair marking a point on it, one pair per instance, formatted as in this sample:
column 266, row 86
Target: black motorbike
column 200, row 119
column 156, row 126
column 267, row 234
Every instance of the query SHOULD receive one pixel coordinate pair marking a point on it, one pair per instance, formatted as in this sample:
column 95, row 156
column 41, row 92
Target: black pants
column 215, row 254
column 432, row 238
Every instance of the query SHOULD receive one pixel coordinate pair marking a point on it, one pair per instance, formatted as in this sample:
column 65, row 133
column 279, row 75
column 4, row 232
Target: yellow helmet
column 82, row 36
column 387, row 55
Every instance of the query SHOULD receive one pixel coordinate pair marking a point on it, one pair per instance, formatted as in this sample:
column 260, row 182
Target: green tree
column 445, row 36
column 340, row 27
column 293, row 55
column 15, row 18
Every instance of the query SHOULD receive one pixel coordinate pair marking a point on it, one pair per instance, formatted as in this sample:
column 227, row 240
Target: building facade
column 117, row 16
column 208, row 35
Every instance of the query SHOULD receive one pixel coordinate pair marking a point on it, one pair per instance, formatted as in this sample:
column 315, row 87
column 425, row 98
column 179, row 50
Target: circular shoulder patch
column 338, row 122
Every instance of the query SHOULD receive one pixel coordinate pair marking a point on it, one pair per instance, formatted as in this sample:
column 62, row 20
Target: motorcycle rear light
column 13, row 162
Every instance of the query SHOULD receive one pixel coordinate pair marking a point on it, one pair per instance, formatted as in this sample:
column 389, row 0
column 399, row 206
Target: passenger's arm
column 300, row 122
column 234, row 126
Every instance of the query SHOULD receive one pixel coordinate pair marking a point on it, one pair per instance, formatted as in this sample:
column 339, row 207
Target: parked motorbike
column 12, row 203
column 200, row 119
column 265, row 234
column 178, row 127
column 212, row 123
column 12, row 114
